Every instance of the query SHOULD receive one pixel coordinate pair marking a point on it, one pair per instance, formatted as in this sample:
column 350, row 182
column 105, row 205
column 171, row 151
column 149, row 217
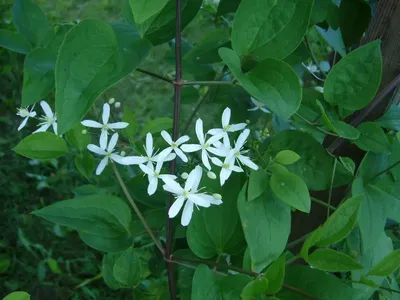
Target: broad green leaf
column 17, row 296
column 315, row 166
column 372, row 138
column 258, row 184
column 282, row 96
column 273, row 216
column 275, row 275
column 310, row 242
column 93, row 57
column 390, row 190
column 156, row 125
column 256, row 287
column 391, row 119
column 155, row 218
column 354, row 19
column 334, row 39
column 142, row 10
column 217, row 229
column 31, row 22
column 354, row 80
column 206, row 50
column 130, row 131
column 137, row 187
column 5, row 262
column 127, row 268
column 85, row 164
column 76, row 138
column 53, row 266
column 387, row 265
column 42, row 145
column 106, row 244
column 332, row 261
column 14, row 41
column 270, row 28
column 340, row 223
column 208, row 285
column 291, row 189
column 227, row 6
column 372, row 164
column 107, row 270
column 348, row 163
column 60, row 32
column 38, row 75
column 323, row 10
column 286, row 157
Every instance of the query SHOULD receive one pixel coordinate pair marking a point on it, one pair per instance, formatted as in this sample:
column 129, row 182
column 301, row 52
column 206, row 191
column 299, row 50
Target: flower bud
column 248, row 121
column 111, row 101
column 319, row 89
column 211, row 175
column 122, row 153
column 117, row 104
column 84, row 131
column 184, row 175
column 217, row 196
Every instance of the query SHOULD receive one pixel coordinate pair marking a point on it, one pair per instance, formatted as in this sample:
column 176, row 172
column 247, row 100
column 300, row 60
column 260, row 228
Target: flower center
column 227, row 127
column 23, row 112
column 174, row 145
column 108, row 154
column 226, row 166
column 185, row 194
column 156, row 174
column 237, row 154
column 148, row 158
column 105, row 127
column 205, row 146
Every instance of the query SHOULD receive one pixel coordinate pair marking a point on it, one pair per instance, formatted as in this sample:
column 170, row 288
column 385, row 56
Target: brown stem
column 136, row 209
column 187, row 82
column 163, row 78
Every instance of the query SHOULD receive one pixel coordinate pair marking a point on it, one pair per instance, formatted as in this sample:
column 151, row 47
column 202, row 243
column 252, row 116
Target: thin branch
column 313, row 124
column 314, row 58
column 320, row 202
column 163, row 78
column 297, row 241
column 187, row 82
column 330, row 188
column 136, row 209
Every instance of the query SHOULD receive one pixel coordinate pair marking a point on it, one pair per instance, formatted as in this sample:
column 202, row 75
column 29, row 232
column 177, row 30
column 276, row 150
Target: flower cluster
column 46, row 121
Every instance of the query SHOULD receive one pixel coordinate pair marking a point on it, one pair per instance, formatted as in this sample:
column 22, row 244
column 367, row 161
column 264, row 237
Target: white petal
column 147, row 169
column 181, row 154
column 242, row 139
column 187, row 213
column 246, row 161
column 43, row 128
column 224, row 175
column 227, row 142
column 149, row 144
column 267, row 111
column 182, row 139
column 253, row 109
column 159, row 166
column 176, row 207
column 102, row 165
column 46, row 108
column 23, row 123
column 170, row 157
column 199, row 200
column 237, row 127
column 166, row 137
column 199, row 131
column 220, row 152
column 96, row 149
column 216, row 137
column 255, row 101
column 212, row 200
column 90, row 123
column 113, row 142
column 216, row 131
column 216, row 161
column 151, row 189
column 237, row 169
column 191, row 147
column 226, row 116
column 55, row 128
column 193, row 178
column 134, row 160
column 32, row 114
column 103, row 139
column 169, row 176
column 172, row 186
column 118, row 125
column 163, row 154
column 106, row 113
column 119, row 159
column 204, row 159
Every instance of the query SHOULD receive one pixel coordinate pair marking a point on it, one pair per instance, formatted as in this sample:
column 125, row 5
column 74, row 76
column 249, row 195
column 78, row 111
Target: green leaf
column 283, row 97
column 60, row 32
column 270, row 28
column 310, row 242
column 142, row 10
column 127, row 268
column 5, row 262
column 332, row 261
column 372, row 138
column 137, row 187
column 275, row 275
column 227, row 6
column 17, row 296
column 291, row 189
column 76, row 138
column 38, row 75
column 348, row 163
column 31, row 22
column 93, row 57
column 208, row 285
column 273, row 217
column 256, row 287
column 42, row 145
column 387, row 265
column 14, row 41
column 156, row 125
column 107, row 270
column 354, row 19
column 394, row 158
column 130, row 131
column 106, row 244
column 85, row 164
column 53, row 266
column 286, row 157
column 354, row 80
column 391, row 119
column 334, row 39
column 258, row 184
column 372, row 164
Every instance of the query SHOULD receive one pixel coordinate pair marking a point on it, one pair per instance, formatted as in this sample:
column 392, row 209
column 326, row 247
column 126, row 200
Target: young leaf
column 85, row 164
column 270, row 28
column 76, row 138
column 89, row 51
column 17, row 296
column 257, row 287
column 283, row 97
column 142, row 10
column 130, row 131
column 286, row 157
column 291, row 189
column 354, row 80
column 14, row 41
column 127, row 268
column 348, row 163
column 107, row 270
column 387, row 265
column 391, row 119
column 258, row 184
column 31, row 22
column 275, row 275
column 332, row 261
column 334, row 39
column 42, row 145
column 269, row 213
column 156, row 125
column 372, row 138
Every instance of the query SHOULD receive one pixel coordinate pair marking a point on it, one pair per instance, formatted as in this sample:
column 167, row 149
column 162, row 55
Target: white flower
column 154, row 175
column 151, row 156
column 49, row 119
column 238, row 152
column 26, row 114
column 226, row 127
column 107, row 151
column 173, row 146
column 258, row 105
column 105, row 126
column 188, row 193
column 311, row 67
column 204, row 145
column 226, row 167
